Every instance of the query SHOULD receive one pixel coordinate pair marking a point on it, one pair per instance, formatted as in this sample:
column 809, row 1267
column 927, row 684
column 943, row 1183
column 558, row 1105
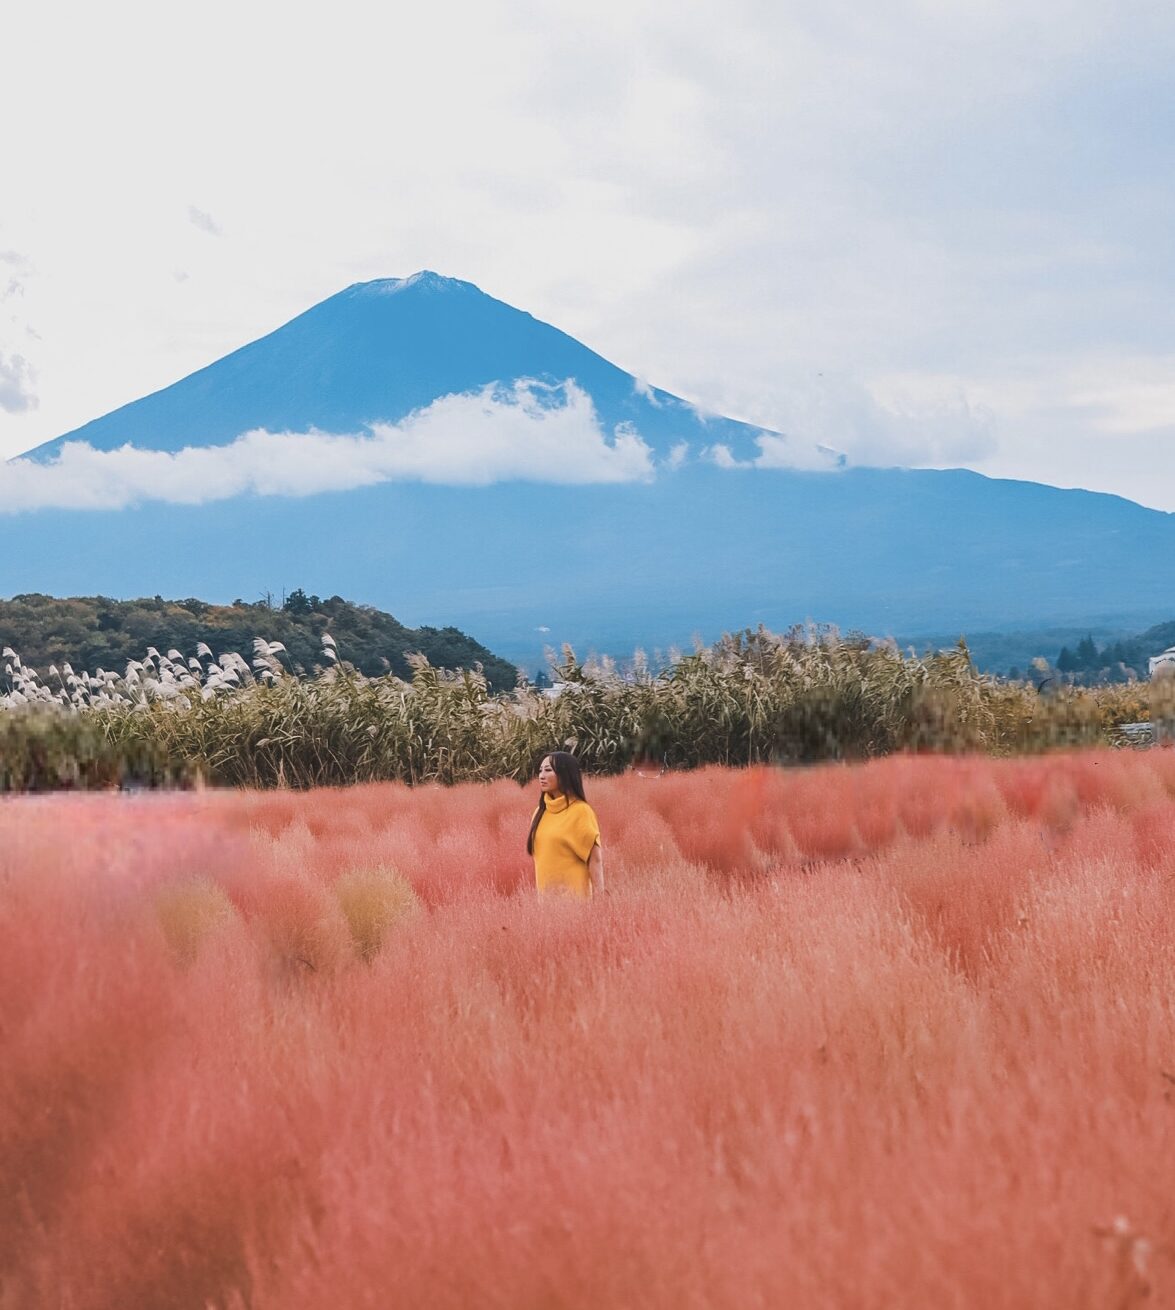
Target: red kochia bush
column 890, row 1035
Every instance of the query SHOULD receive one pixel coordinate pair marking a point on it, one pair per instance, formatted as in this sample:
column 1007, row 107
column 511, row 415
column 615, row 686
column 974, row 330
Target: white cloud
column 905, row 423
column 830, row 422
column 529, row 431
column 14, row 259
column 16, row 384
column 722, row 456
column 204, row 221
column 912, row 421
column 779, row 451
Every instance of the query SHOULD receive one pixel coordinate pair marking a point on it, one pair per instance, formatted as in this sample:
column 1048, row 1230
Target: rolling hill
column 91, row 632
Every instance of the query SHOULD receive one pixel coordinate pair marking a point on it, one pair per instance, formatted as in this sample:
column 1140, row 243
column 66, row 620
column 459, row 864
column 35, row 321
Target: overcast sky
column 924, row 233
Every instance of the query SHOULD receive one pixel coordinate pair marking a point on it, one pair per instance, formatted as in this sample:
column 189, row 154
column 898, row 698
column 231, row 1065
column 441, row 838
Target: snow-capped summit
column 425, row 280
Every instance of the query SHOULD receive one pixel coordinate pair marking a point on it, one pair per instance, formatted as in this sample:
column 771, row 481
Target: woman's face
column 548, row 779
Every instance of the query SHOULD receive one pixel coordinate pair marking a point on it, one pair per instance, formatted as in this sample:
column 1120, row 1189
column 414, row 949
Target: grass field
column 891, row 1035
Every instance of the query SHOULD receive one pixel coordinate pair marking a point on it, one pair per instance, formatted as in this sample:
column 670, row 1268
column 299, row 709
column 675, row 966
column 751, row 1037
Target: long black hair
column 570, row 779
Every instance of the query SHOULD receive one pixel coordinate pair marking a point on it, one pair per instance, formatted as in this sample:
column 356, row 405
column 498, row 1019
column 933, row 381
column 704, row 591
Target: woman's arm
column 596, row 869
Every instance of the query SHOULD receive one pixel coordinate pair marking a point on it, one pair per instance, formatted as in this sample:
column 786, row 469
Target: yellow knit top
column 562, row 843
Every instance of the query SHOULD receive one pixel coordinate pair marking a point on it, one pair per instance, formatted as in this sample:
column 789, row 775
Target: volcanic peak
column 425, row 281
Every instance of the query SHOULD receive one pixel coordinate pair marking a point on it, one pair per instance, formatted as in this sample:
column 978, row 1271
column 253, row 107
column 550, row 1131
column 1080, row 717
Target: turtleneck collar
column 557, row 804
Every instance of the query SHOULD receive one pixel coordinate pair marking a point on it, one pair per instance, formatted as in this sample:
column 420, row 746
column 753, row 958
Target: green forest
column 1087, row 665
column 92, row 632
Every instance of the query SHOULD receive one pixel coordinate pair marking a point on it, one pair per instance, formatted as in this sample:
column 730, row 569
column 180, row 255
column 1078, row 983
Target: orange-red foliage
column 890, row 1035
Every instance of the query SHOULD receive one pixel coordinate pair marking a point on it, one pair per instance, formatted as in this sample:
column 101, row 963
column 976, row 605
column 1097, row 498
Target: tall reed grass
column 894, row 1034
column 752, row 698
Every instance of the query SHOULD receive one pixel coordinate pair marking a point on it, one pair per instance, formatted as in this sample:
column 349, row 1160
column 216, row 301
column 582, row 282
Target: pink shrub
column 895, row 1035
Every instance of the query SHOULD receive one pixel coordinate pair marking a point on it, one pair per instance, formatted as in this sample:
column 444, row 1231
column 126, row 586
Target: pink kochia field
column 894, row 1035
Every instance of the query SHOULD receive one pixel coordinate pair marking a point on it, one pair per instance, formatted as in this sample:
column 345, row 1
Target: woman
column 564, row 833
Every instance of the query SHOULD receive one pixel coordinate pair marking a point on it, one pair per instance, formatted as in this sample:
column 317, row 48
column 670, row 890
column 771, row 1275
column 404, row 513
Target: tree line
column 1117, row 661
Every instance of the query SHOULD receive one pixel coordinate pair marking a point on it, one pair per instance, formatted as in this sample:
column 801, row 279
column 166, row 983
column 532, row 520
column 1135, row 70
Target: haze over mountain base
column 520, row 565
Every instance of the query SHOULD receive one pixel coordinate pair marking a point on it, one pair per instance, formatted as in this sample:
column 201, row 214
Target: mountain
column 717, row 527
column 381, row 350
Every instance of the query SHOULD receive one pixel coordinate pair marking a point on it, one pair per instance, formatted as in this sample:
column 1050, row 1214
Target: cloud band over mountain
column 529, row 431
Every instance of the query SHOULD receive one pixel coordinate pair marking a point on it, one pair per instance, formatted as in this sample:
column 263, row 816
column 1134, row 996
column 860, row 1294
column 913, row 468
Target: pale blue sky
column 924, row 233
